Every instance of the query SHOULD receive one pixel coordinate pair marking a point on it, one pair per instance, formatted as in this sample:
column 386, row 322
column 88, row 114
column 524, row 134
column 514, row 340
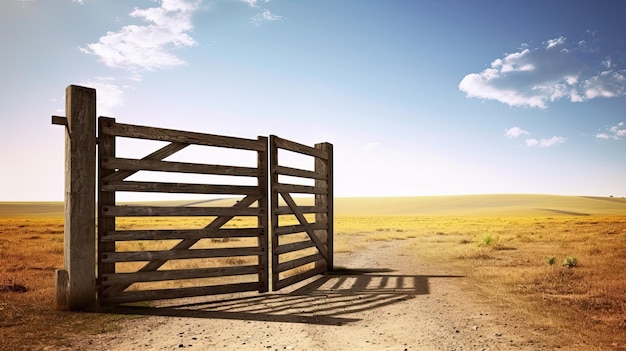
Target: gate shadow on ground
column 331, row 299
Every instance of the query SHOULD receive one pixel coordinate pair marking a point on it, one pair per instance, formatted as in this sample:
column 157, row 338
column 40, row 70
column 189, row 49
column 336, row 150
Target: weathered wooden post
column 76, row 283
column 325, row 167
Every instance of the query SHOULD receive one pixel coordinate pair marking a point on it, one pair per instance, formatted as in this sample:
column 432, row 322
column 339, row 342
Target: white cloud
column 148, row 47
column 515, row 132
column 555, row 42
column 615, row 132
column 265, row 16
column 607, row 84
column 555, row 140
column 254, row 3
column 536, row 77
column 108, row 94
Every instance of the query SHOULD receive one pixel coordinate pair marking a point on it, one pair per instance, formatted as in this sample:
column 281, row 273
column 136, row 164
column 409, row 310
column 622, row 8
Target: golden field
column 562, row 258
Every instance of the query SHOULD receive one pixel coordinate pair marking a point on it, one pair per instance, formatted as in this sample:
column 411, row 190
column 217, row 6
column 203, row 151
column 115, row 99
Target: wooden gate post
column 325, row 167
column 76, row 283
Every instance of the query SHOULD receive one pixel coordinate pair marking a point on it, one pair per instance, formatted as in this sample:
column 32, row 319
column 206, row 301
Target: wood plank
column 295, row 172
column 178, row 136
column 300, row 277
column 298, row 228
column 150, row 295
column 299, row 148
column 300, row 216
column 299, row 245
column 285, row 266
column 137, row 256
column 106, row 147
column 59, row 120
column 263, row 219
column 160, row 154
column 136, row 277
column 150, row 211
column 189, row 234
column 274, row 218
column 187, row 243
column 160, row 187
column 178, row 167
column 326, row 200
column 286, row 210
column 299, row 189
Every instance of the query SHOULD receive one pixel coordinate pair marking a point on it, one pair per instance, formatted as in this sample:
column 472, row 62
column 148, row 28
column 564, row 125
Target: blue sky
column 417, row 97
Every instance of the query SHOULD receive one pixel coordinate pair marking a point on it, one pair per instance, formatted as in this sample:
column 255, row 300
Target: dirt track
column 385, row 302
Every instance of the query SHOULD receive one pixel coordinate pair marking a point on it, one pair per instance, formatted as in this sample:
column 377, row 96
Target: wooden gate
column 146, row 264
column 303, row 246
column 151, row 251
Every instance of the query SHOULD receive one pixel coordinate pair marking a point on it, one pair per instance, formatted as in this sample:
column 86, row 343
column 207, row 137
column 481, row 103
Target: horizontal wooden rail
column 295, row 172
column 286, row 210
column 285, row 266
column 147, row 295
column 161, row 134
column 134, row 256
column 158, row 155
column 149, row 211
column 300, row 148
column 300, row 189
column 136, row 277
column 321, row 269
column 172, row 234
column 157, row 187
column 298, row 228
column 178, row 167
column 300, row 245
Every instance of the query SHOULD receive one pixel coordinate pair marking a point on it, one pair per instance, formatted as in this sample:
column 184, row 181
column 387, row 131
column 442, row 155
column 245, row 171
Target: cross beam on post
column 76, row 283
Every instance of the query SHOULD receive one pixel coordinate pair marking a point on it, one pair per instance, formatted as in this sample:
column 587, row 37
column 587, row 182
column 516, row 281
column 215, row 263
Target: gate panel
column 302, row 249
column 220, row 256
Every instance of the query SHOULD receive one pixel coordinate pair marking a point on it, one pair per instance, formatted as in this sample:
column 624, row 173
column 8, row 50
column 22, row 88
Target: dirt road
column 383, row 301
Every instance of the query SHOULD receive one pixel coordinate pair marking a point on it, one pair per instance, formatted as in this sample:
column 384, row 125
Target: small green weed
column 570, row 262
column 551, row 260
column 486, row 240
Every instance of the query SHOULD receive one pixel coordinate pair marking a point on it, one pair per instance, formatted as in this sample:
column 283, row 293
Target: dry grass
column 508, row 258
column 504, row 244
column 31, row 248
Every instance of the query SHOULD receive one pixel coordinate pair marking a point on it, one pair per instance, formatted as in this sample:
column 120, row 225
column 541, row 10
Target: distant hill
column 500, row 204
column 456, row 205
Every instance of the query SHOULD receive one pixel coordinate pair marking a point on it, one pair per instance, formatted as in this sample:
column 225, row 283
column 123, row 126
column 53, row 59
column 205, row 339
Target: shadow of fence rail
column 332, row 299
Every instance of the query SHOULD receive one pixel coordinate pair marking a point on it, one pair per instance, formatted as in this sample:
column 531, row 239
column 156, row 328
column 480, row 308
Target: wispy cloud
column 555, row 140
column 255, row 3
column 263, row 17
column 109, row 95
column 534, row 77
column 515, row 132
column 148, row 47
column 615, row 132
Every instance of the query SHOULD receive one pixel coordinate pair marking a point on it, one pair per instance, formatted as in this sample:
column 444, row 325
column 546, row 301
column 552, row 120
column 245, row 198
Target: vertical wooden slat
column 263, row 216
column 325, row 167
column 274, row 208
column 106, row 148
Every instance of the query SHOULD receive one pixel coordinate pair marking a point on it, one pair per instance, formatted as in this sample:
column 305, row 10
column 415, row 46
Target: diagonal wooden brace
column 185, row 244
column 321, row 247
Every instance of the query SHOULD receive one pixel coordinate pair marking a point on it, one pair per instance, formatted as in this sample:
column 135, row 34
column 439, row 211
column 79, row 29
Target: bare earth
column 383, row 301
